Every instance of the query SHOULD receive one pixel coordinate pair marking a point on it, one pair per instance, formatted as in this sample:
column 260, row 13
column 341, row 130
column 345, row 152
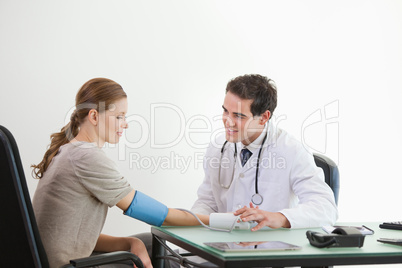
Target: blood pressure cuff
column 147, row 209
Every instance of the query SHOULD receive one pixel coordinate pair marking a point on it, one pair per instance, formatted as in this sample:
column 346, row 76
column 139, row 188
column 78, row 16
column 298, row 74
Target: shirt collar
column 258, row 141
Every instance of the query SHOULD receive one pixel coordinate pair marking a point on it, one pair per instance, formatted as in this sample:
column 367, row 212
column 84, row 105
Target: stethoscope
column 257, row 198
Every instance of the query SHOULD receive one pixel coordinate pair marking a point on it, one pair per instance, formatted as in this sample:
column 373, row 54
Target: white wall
column 337, row 66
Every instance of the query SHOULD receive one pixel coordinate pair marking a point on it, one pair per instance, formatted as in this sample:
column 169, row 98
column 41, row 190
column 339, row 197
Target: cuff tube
column 147, row 209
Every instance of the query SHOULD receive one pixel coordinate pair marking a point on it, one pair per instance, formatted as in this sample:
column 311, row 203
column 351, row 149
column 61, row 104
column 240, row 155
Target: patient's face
column 112, row 122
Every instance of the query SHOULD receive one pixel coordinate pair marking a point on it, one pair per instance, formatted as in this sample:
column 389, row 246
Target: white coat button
column 241, row 175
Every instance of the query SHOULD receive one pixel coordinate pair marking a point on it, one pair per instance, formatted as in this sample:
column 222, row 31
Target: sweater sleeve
column 99, row 175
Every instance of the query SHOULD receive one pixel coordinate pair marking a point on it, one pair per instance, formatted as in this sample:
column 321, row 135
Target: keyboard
column 397, row 242
column 394, row 225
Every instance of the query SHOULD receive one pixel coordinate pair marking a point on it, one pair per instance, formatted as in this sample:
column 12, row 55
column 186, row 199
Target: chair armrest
column 111, row 257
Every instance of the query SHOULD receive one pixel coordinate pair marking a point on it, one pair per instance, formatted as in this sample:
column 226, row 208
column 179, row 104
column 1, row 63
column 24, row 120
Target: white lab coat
column 289, row 181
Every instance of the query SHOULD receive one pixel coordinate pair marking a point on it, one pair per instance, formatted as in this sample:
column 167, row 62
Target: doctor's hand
column 262, row 217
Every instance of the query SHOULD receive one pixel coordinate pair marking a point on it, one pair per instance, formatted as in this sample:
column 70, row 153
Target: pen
column 368, row 228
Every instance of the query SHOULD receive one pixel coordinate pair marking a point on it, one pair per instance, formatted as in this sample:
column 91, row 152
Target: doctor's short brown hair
column 258, row 88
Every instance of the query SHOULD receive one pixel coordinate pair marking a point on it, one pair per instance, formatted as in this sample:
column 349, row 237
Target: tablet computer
column 252, row 246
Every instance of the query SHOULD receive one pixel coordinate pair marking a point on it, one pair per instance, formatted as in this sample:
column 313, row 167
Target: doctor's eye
column 240, row 116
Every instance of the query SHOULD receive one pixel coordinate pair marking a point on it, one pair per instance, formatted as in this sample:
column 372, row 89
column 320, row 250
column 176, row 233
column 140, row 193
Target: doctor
column 258, row 171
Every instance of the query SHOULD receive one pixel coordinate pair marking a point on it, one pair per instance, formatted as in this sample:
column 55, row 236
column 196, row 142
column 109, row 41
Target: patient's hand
column 264, row 218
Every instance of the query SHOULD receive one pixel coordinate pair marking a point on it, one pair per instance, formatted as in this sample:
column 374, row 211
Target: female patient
column 78, row 182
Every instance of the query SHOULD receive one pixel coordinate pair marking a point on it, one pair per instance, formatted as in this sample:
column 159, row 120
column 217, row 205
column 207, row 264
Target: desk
column 192, row 238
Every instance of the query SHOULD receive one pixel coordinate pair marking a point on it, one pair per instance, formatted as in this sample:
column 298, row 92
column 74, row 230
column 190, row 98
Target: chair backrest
column 331, row 173
column 20, row 245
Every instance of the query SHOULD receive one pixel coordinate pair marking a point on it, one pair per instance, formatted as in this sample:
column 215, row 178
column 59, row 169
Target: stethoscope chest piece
column 257, row 199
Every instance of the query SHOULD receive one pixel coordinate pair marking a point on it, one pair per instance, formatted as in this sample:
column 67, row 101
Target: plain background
column 337, row 66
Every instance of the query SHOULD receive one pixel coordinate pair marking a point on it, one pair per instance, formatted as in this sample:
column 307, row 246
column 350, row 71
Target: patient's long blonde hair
column 97, row 93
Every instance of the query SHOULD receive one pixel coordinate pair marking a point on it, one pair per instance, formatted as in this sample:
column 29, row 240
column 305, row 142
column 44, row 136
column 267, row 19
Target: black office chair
column 331, row 173
column 21, row 245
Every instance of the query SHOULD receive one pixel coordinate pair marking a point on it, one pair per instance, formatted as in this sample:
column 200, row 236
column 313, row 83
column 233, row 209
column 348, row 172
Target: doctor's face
column 240, row 125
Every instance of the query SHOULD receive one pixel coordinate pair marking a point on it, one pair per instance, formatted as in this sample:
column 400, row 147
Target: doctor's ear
column 93, row 117
column 265, row 117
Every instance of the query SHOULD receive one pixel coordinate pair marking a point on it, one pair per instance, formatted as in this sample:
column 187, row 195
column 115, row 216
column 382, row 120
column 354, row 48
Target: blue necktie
column 245, row 155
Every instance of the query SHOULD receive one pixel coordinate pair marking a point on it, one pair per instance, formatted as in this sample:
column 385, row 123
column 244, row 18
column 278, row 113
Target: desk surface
column 373, row 252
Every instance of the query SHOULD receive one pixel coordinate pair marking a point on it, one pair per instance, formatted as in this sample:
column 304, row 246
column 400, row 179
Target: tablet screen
column 252, row 246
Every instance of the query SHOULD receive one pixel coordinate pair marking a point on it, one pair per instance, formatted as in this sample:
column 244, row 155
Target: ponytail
column 96, row 94
column 66, row 134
